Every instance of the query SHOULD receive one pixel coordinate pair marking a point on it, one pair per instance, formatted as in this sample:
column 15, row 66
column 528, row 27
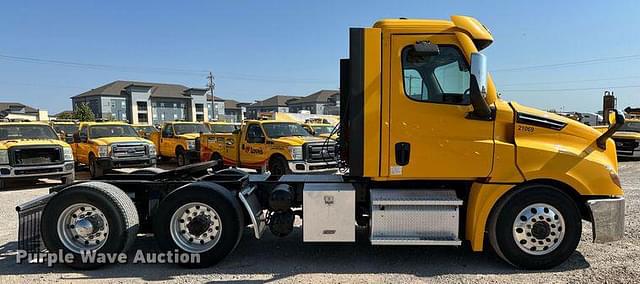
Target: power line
column 570, row 63
column 162, row 70
column 570, row 81
column 571, row 89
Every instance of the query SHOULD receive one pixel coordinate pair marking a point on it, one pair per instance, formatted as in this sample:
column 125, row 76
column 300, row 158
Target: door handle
column 403, row 153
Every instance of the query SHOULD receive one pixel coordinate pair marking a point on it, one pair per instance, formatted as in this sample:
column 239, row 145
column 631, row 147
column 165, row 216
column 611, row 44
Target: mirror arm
column 481, row 109
column 602, row 140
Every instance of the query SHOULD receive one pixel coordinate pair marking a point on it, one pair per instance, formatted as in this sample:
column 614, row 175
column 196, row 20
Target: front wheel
column 94, row 168
column 536, row 227
column 181, row 158
column 278, row 166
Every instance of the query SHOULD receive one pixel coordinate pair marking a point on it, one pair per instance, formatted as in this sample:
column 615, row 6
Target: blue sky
column 260, row 48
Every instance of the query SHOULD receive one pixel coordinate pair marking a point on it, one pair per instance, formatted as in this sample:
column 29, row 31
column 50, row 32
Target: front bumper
column 318, row 167
column 107, row 163
column 9, row 172
column 607, row 217
column 629, row 154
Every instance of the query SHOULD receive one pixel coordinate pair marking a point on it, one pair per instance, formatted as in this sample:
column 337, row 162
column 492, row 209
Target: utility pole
column 211, row 86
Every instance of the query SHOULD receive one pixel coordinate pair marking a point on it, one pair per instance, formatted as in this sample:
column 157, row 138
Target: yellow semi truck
column 281, row 147
column 32, row 150
column 179, row 140
column 431, row 155
column 104, row 146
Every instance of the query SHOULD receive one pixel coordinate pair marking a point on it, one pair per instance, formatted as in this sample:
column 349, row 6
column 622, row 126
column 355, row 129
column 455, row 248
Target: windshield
column 8, row 132
column 190, row 128
column 100, row 131
column 323, row 129
column 275, row 130
column 222, row 128
column 146, row 129
column 633, row 126
column 68, row 129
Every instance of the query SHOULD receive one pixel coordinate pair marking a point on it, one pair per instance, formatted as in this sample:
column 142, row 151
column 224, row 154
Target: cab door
column 253, row 148
column 167, row 147
column 431, row 135
column 81, row 147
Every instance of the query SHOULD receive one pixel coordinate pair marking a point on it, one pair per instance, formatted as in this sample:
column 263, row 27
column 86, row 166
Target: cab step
column 415, row 217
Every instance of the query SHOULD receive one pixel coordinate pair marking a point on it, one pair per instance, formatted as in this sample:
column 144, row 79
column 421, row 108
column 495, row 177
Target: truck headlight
column 152, row 150
column 4, row 157
column 68, row 153
column 103, row 151
column 191, row 144
column 296, row 152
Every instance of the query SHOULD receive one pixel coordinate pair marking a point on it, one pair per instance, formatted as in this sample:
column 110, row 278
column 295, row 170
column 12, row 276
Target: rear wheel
column 278, row 166
column 536, row 227
column 204, row 219
column 91, row 217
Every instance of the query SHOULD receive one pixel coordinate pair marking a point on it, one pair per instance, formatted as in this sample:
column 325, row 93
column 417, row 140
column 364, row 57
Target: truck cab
column 32, row 150
column 179, row 140
column 144, row 130
column 222, row 127
column 281, row 147
column 321, row 130
column 65, row 129
column 104, row 146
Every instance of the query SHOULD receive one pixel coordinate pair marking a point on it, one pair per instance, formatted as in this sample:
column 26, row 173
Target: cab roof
column 23, row 123
column 90, row 123
column 480, row 35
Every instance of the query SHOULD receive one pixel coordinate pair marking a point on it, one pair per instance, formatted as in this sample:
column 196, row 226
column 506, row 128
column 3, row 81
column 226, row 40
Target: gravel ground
column 289, row 260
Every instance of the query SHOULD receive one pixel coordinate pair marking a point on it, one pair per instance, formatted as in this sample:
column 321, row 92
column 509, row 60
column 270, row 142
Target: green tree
column 83, row 113
column 66, row 115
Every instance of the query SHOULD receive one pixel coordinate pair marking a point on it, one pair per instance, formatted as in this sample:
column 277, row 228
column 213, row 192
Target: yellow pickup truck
column 281, row 147
column 104, row 146
column 32, row 150
column 179, row 140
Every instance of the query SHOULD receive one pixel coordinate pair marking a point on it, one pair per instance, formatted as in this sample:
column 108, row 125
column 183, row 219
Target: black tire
column 181, row 159
column 118, row 209
column 94, row 169
column 501, row 227
column 68, row 179
column 278, row 166
column 217, row 197
column 218, row 158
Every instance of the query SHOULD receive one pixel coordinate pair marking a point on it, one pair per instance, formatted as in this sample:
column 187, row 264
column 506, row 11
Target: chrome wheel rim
column 539, row 229
column 195, row 227
column 82, row 227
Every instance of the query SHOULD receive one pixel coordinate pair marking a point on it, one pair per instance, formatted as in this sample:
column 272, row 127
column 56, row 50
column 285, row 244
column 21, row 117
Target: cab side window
column 255, row 134
column 167, row 131
column 441, row 78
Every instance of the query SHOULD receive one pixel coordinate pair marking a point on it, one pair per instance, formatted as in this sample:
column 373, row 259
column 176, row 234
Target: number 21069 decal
column 525, row 128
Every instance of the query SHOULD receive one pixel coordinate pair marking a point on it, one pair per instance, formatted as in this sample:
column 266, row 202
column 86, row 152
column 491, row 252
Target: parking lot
column 290, row 260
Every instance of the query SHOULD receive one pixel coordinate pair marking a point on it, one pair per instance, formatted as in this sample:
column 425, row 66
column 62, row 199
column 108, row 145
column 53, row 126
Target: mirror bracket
column 602, row 140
